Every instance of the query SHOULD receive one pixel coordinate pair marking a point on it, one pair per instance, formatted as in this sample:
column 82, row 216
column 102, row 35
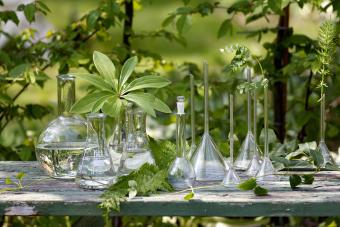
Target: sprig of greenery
column 112, row 93
column 17, row 183
column 251, row 184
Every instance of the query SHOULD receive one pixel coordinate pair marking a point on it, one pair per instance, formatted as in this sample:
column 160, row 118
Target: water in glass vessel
column 181, row 174
column 61, row 144
column 207, row 161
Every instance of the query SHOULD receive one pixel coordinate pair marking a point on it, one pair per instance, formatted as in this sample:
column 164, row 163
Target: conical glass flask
column 136, row 147
column 231, row 178
column 327, row 158
column 181, row 174
column 247, row 148
column 95, row 170
column 267, row 171
column 60, row 146
column 207, row 161
column 255, row 163
column 192, row 118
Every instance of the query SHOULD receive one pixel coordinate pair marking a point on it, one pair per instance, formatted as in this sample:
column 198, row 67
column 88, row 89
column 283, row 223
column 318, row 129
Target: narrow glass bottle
column 96, row 170
column 192, row 117
column 181, row 174
column 61, row 144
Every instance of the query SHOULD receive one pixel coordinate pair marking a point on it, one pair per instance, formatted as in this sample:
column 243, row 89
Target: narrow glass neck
column 129, row 122
column 96, row 125
column 180, row 135
column 322, row 115
column 140, row 121
column 66, row 94
column 249, row 101
column 255, row 117
column 266, row 145
column 231, row 132
column 206, row 98
column 192, row 112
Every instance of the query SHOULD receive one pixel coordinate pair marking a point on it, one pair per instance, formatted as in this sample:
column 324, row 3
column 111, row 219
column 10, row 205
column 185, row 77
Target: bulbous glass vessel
column 60, row 146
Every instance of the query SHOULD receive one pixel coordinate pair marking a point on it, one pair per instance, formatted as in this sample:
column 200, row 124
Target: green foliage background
column 171, row 39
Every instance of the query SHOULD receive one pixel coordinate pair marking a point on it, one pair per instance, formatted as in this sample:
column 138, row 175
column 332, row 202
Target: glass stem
column 322, row 115
column 231, row 133
column 266, row 147
column 255, row 120
column 206, row 96
column 192, row 95
column 66, row 94
column 180, row 135
column 97, row 123
column 249, row 101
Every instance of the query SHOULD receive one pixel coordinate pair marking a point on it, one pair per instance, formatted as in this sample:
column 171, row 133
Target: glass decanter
column 181, row 174
column 207, row 161
column 136, row 147
column 96, row 170
column 60, row 146
column 247, row 148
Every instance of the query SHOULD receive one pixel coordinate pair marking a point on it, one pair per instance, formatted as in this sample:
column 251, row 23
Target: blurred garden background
column 41, row 39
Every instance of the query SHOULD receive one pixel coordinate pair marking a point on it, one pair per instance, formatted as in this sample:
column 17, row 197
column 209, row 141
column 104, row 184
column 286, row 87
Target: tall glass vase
column 60, row 146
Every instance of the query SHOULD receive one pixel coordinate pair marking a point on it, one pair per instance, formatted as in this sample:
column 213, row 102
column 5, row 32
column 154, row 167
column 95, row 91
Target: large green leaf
column 127, row 70
column 144, row 100
column 5, row 99
column 95, row 80
column 86, row 103
column 161, row 106
column 105, row 68
column 112, row 106
column 146, row 82
column 100, row 102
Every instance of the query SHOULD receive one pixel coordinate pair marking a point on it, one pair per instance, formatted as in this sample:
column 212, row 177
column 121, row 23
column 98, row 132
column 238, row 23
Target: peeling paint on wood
column 47, row 196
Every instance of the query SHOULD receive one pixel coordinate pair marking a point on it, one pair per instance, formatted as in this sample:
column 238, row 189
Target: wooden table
column 48, row 196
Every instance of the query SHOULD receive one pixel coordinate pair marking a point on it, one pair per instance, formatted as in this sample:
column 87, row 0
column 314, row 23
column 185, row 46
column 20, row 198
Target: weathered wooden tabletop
column 46, row 196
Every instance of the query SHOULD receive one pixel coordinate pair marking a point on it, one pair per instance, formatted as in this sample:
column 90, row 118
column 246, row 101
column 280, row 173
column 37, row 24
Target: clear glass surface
column 60, row 146
column 207, row 161
column 96, row 170
column 181, row 174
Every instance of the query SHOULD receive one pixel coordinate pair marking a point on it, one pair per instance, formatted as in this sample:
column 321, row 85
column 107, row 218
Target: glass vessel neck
column 140, row 121
column 180, row 135
column 66, row 94
column 96, row 126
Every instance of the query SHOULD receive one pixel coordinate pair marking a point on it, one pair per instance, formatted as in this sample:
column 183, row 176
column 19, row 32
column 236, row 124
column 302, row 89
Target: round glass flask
column 60, row 146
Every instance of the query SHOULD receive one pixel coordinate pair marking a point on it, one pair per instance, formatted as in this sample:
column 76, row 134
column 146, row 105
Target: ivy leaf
column 308, row 179
column 128, row 67
column 105, row 68
column 146, row 82
column 317, row 158
column 189, row 196
column 249, row 184
column 294, row 181
column 95, row 80
column 86, row 103
column 183, row 23
column 260, row 191
column 225, row 27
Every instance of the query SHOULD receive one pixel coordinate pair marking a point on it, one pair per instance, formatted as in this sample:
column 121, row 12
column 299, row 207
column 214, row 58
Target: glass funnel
column 267, row 171
column 327, row 158
column 207, row 161
column 192, row 118
column 95, row 170
column 60, row 146
column 247, row 148
column 136, row 147
column 181, row 174
column 255, row 163
column 231, row 178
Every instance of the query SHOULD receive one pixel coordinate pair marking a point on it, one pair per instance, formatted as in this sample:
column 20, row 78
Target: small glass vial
column 96, row 170
column 181, row 174
column 60, row 146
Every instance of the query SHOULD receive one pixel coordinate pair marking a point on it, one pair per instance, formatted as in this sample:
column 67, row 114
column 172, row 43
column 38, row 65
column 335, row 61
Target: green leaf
column 146, row 82
column 19, row 70
column 249, row 184
column 128, row 67
column 143, row 100
column 99, row 104
column 95, row 80
column 29, row 12
column 92, row 19
column 161, row 106
column 105, row 68
column 294, row 181
column 112, row 106
column 8, row 181
column 168, row 20
column 20, row 175
column 275, row 5
column 189, row 196
column 308, row 178
column 183, row 23
column 225, row 27
column 85, row 104
column 317, row 157
column 271, row 136
column 5, row 99
column 260, row 191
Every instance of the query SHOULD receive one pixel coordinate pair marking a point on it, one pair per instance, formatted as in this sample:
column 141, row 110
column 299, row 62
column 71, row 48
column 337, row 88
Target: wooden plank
column 56, row 197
